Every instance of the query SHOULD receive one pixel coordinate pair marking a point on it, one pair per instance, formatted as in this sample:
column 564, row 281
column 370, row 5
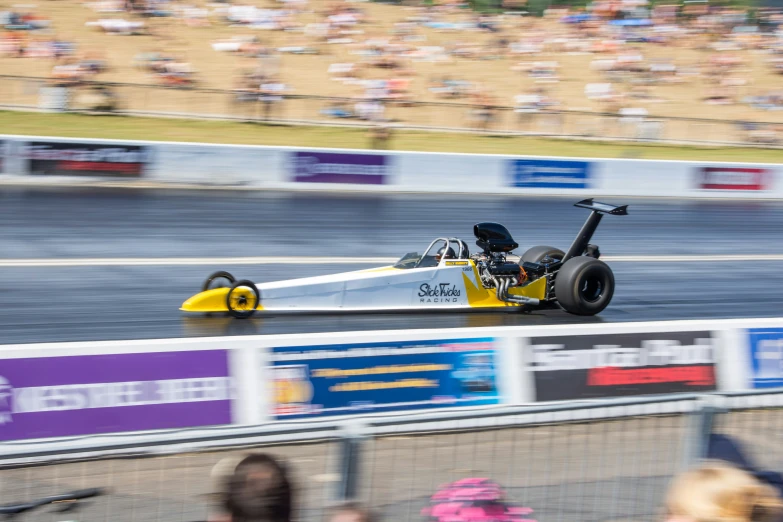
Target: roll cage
column 427, row 260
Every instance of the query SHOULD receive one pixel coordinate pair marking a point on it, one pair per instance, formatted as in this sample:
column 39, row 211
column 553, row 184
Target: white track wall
column 647, row 358
column 63, row 159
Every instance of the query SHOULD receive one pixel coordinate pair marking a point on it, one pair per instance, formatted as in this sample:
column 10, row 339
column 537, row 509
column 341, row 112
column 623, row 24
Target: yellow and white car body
column 445, row 277
column 452, row 284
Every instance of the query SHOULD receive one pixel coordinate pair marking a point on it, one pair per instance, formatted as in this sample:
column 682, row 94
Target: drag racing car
column 445, row 277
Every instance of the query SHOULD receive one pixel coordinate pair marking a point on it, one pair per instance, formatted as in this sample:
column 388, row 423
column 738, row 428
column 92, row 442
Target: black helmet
column 448, row 254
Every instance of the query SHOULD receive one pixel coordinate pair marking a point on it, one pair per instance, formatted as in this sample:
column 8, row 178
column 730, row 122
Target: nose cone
column 207, row 301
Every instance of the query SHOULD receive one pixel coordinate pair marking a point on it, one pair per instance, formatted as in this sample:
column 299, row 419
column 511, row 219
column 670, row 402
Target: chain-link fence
column 589, row 462
column 569, row 469
column 35, row 93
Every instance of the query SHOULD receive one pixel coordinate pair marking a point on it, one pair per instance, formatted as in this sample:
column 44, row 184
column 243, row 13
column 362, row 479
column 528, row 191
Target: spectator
column 719, row 492
column 380, row 135
column 272, row 94
column 352, row 512
column 728, row 449
column 256, row 489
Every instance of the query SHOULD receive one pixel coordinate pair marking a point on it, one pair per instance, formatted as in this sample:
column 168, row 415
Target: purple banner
column 86, row 394
column 328, row 167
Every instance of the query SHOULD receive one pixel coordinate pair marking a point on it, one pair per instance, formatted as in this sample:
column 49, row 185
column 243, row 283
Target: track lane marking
column 283, row 260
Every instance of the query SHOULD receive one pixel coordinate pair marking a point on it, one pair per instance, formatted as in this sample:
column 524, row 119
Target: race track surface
column 57, row 303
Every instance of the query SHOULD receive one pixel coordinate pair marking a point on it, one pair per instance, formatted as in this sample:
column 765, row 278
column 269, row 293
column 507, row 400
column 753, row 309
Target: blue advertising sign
column 376, row 377
column 766, row 356
column 541, row 173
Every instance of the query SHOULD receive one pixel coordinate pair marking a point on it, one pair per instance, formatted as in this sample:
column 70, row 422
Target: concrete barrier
column 28, row 159
column 73, row 389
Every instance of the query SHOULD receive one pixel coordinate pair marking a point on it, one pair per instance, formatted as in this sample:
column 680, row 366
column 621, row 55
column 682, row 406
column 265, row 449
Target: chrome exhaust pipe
column 502, row 286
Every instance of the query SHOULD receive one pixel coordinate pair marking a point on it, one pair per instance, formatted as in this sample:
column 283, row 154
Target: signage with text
column 87, row 159
column 88, row 394
column 357, row 378
column 615, row 365
column 543, row 173
column 733, row 178
column 766, row 355
column 332, row 167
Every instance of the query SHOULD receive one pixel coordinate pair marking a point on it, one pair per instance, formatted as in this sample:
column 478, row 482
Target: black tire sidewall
column 570, row 278
column 220, row 274
column 243, row 314
column 537, row 253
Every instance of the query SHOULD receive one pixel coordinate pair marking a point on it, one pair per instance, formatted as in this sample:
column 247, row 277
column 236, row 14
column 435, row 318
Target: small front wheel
column 243, row 299
column 216, row 280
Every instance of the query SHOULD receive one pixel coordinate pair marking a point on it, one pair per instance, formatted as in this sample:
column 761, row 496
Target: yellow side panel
column 480, row 297
column 380, row 269
column 209, row 301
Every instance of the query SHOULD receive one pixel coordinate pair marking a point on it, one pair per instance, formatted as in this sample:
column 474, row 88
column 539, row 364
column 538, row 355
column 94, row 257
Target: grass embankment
column 160, row 129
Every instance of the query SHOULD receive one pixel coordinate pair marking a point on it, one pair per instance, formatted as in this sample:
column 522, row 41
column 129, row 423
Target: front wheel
column 584, row 286
column 243, row 299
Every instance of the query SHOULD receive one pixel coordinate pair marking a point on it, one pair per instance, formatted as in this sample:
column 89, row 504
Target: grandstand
column 717, row 66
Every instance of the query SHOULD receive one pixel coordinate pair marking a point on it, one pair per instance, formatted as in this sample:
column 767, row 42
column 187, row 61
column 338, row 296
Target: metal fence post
column 351, row 443
column 698, row 432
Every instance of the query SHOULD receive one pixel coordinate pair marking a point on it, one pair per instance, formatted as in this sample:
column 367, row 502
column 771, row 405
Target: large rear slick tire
column 584, row 286
column 243, row 299
column 537, row 254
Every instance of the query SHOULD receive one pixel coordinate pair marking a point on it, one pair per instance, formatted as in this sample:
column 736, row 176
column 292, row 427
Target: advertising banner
column 87, row 159
column 330, row 167
column 543, row 173
column 733, row 178
column 766, row 357
column 88, row 394
column 616, row 365
column 378, row 377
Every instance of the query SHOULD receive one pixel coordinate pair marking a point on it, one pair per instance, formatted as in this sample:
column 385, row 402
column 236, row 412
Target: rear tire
column 537, row 253
column 584, row 286
column 243, row 299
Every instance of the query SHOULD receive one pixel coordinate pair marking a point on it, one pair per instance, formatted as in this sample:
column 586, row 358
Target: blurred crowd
column 726, row 487
column 634, row 49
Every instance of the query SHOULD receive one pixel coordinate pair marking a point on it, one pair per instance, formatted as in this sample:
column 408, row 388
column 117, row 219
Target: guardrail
column 28, row 159
column 151, row 100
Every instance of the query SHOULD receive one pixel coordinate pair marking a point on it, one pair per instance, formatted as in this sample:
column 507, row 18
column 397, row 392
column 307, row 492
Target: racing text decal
column 440, row 293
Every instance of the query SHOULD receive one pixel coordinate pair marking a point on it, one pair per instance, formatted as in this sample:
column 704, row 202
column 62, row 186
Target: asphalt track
column 74, row 303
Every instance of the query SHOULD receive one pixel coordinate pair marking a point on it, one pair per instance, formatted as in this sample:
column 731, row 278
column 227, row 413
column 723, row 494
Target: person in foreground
column 719, row 492
column 257, row 489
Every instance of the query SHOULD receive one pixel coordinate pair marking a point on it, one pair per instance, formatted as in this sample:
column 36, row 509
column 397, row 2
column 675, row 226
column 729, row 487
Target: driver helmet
column 448, row 254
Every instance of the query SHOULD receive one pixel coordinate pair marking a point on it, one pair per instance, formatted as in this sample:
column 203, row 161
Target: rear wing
column 579, row 246
column 603, row 208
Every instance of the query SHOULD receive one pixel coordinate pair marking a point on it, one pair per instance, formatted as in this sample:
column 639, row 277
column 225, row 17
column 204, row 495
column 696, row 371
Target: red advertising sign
column 733, row 178
column 619, row 365
column 87, row 159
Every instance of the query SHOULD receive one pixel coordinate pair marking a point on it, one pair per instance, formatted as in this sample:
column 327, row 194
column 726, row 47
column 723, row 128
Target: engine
column 496, row 272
